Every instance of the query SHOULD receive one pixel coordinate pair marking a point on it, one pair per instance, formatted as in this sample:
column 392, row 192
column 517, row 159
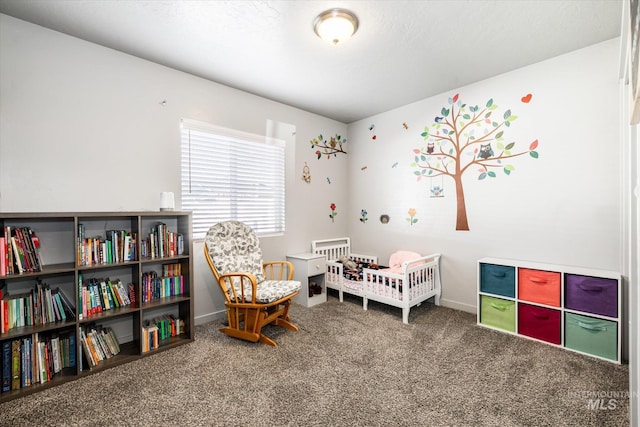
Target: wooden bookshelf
column 62, row 237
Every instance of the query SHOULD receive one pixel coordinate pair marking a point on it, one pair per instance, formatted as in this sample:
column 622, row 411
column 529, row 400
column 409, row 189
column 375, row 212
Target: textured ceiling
column 404, row 51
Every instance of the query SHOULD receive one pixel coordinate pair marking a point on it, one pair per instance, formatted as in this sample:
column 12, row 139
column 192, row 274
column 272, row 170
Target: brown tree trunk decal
column 461, row 208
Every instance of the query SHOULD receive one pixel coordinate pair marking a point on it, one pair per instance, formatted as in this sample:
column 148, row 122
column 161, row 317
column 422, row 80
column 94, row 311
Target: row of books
column 156, row 287
column 118, row 246
column 36, row 359
column 98, row 343
column 159, row 329
column 19, row 251
column 98, row 295
column 40, row 306
column 161, row 242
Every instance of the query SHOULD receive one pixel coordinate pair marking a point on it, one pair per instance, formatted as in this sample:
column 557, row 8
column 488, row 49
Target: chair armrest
column 235, row 284
column 277, row 270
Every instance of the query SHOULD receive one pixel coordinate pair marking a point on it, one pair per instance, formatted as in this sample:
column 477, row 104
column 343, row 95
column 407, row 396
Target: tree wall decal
column 332, row 147
column 462, row 139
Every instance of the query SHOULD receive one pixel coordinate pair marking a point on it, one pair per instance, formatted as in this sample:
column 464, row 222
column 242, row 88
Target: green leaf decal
column 510, row 146
column 499, row 135
column 490, row 102
column 466, row 117
column 491, row 174
column 533, row 154
column 507, row 114
column 506, row 171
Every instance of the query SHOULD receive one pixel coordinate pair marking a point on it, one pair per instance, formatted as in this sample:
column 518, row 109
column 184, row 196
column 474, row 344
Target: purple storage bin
column 591, row 294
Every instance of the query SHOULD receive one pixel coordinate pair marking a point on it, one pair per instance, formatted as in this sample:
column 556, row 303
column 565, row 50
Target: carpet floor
column 345, row 367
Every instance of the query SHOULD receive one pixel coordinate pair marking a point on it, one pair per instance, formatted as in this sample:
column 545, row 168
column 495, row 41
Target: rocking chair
column 256, row 293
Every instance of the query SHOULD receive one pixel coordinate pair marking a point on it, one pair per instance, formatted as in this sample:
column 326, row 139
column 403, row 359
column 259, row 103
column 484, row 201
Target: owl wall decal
column 430, row 147
column 485, row 151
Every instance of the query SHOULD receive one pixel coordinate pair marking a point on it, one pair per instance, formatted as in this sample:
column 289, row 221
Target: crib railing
column 417, row 280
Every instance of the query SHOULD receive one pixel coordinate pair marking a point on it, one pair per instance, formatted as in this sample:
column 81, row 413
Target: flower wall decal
column 363, row 215
column 412, row 216
column 333, row 213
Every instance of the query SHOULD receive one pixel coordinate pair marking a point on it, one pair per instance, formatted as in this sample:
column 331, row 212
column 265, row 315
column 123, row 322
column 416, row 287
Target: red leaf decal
column 455, row 97
column 416, row 151
column 533, row 145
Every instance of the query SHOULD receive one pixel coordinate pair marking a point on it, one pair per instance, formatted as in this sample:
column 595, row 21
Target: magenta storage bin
column 539, row 322
column 591, row 294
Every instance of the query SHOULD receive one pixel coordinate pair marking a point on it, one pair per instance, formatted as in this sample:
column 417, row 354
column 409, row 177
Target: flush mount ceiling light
column 335, row 25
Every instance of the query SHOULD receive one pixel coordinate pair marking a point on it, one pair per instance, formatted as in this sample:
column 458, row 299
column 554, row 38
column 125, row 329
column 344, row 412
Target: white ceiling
column 404, row 51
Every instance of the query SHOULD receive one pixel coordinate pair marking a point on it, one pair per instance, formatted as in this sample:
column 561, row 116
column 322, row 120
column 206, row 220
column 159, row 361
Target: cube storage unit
column 579, row 309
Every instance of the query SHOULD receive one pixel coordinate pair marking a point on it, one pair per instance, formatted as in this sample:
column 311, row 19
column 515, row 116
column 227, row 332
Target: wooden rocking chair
column 256, row 293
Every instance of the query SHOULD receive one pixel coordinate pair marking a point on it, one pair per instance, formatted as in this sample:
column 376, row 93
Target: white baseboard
column 209, row 317
column 458, row 306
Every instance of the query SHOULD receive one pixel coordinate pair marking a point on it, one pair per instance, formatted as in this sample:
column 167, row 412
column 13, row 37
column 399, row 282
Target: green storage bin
column 591, row 335
column 498, row 313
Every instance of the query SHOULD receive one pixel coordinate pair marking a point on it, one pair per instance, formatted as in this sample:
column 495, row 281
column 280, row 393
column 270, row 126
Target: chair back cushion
column 234, row 247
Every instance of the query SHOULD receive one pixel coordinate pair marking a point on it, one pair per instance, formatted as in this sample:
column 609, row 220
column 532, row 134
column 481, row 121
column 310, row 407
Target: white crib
column 417, row 280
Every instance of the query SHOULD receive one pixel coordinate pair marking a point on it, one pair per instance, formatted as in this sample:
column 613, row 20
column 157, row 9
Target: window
column 232, row 175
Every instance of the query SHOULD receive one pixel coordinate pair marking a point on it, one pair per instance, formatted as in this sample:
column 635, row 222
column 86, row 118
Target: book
column 35, row 243
column 113, row 294
column 81, row 307
column 58, row 304
column 104, row 296
column 8, row 250
column 17, row 255
column 15, row 364
column 72, row 350
column 55, row 351
column 3, row 257
column 67, row 307
column 88, row 353
column 6, row 366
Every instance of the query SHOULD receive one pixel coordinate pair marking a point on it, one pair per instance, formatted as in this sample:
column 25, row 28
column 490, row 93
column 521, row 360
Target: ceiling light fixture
column 335, row 25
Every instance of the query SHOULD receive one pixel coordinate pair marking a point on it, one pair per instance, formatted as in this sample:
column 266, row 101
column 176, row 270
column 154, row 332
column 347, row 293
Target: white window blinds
column 232, row 175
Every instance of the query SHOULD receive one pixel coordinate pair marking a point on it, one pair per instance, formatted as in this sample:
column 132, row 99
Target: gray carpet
column 345, row 367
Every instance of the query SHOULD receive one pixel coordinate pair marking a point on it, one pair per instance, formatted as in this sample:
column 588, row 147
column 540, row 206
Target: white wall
column 82, row 128
column 563, row 208
column 90, row 123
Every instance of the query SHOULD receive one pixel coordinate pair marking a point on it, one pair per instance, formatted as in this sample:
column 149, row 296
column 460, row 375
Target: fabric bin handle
column 538, row 280
column 541, row 316
column 499, row 274
column 498, row 306
column 590, row 288
column 591, row 327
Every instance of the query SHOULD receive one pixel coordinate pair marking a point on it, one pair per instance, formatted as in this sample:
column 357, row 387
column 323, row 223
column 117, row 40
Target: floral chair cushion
column 270, row 290
column 234, row 247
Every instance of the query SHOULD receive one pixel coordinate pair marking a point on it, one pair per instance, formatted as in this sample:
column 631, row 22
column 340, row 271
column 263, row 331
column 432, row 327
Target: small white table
column 308, row 268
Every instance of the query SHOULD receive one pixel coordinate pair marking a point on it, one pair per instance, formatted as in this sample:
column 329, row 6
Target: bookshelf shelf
column 83, row 258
